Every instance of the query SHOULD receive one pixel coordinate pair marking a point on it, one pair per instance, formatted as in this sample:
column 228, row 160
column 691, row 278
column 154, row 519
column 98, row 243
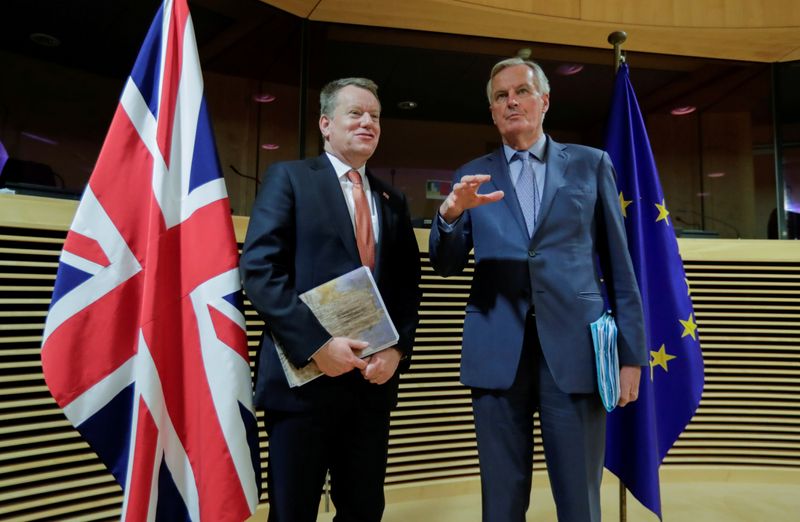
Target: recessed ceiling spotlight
column 703, row 194
column 716, row 174
column 263, row 98
column 270, row 146
column 407, row 105
column 683, row 111
column 44, row 39
column 568, row 69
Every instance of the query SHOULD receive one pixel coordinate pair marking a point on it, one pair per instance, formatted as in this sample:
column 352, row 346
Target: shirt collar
column 537, row 149
column 342, row 168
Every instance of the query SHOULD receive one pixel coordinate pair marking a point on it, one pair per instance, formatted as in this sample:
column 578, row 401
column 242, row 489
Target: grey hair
column 539, row 78
column 328, row 96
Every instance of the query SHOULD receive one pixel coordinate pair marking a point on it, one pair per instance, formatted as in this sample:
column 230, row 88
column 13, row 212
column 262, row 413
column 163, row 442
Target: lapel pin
column 385, row 195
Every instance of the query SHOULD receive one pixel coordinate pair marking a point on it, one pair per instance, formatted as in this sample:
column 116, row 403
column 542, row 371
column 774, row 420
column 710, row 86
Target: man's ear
column 324, row 124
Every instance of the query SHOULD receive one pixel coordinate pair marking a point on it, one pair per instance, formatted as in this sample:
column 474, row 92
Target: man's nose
column 367, row 119
column 512, row 100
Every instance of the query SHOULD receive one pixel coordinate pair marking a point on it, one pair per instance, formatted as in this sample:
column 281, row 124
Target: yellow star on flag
column 688, row 288
column 689, row 327
column 662, row 211
column 623, row 203
column 659, row 358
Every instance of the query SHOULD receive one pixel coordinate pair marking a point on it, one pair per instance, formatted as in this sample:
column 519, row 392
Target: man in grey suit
column 549, row 241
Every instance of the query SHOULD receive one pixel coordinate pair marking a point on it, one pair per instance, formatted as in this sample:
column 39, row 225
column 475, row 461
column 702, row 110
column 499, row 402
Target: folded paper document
column 604, row 338
column 348, row 306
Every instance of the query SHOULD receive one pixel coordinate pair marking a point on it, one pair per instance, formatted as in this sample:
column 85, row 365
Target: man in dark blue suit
column 545, row 224
column 313, row 221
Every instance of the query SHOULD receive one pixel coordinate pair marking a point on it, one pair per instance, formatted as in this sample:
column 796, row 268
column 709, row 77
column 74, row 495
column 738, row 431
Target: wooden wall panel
column 747, row 304
column 733, row 14
column 755, row 30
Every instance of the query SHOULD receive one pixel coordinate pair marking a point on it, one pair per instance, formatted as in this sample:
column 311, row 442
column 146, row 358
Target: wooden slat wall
column 747, row 303
column 749, row 322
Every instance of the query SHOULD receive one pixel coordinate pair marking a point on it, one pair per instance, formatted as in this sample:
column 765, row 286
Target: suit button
column 532, row 253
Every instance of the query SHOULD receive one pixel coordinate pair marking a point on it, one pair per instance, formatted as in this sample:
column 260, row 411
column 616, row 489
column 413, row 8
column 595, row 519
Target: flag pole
column 617, row 38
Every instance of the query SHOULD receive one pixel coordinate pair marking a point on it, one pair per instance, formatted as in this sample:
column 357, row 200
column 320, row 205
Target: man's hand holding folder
column 339, row 356
column 617, row 386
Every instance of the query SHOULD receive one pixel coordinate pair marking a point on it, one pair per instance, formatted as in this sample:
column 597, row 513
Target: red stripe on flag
column 173, row 62
column 85, row 247
column 211, row 221
column 229, row 333
column 144, row 462
column 174, row 342
column 122, row 181
column 175, row 259
column 78, row 353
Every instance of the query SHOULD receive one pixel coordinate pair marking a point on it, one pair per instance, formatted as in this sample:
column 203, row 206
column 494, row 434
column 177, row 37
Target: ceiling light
column 568, row 69
column 703, row 194
column 716, row 174
column 44, row 39
column 39, row 137
column 683, row 111
column 270, row 146
column 263, row 98
column 407, row 105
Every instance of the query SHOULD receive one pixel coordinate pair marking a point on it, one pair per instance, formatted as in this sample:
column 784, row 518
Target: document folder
column 348, row 306
column 604, row 338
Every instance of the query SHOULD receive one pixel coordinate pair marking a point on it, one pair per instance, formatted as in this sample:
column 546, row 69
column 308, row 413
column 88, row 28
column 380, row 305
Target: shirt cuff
column 444, row 226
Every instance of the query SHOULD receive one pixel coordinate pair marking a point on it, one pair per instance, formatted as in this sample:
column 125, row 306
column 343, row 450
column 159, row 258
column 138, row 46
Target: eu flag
column 640, row 435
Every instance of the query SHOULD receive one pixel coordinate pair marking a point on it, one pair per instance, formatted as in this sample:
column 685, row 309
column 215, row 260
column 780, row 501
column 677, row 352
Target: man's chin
column 517, row 129
column 366, row 150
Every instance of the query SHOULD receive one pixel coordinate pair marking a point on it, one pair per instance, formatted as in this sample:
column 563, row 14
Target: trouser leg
column 504, row 429
column 573, row 433
column 296, row 466
column 358, row 465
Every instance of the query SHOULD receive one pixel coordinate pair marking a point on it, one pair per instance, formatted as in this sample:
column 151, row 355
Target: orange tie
column 364, row 238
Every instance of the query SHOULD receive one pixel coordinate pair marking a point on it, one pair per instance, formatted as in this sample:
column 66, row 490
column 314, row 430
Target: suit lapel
column 380, row 196
column 553, row 179
column 331, row 199
column 501, row 179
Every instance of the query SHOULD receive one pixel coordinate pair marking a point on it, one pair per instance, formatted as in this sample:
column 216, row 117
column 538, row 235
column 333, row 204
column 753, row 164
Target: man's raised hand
column 464, row 196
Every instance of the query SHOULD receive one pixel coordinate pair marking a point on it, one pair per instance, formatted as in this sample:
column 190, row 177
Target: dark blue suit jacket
column 300, row 236
column 580, row 227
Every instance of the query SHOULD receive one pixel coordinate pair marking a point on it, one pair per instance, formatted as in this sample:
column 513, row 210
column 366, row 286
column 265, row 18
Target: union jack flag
column 144, row 345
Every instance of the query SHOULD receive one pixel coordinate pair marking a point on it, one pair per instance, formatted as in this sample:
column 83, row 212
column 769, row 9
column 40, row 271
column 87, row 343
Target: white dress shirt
column 347, row 190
